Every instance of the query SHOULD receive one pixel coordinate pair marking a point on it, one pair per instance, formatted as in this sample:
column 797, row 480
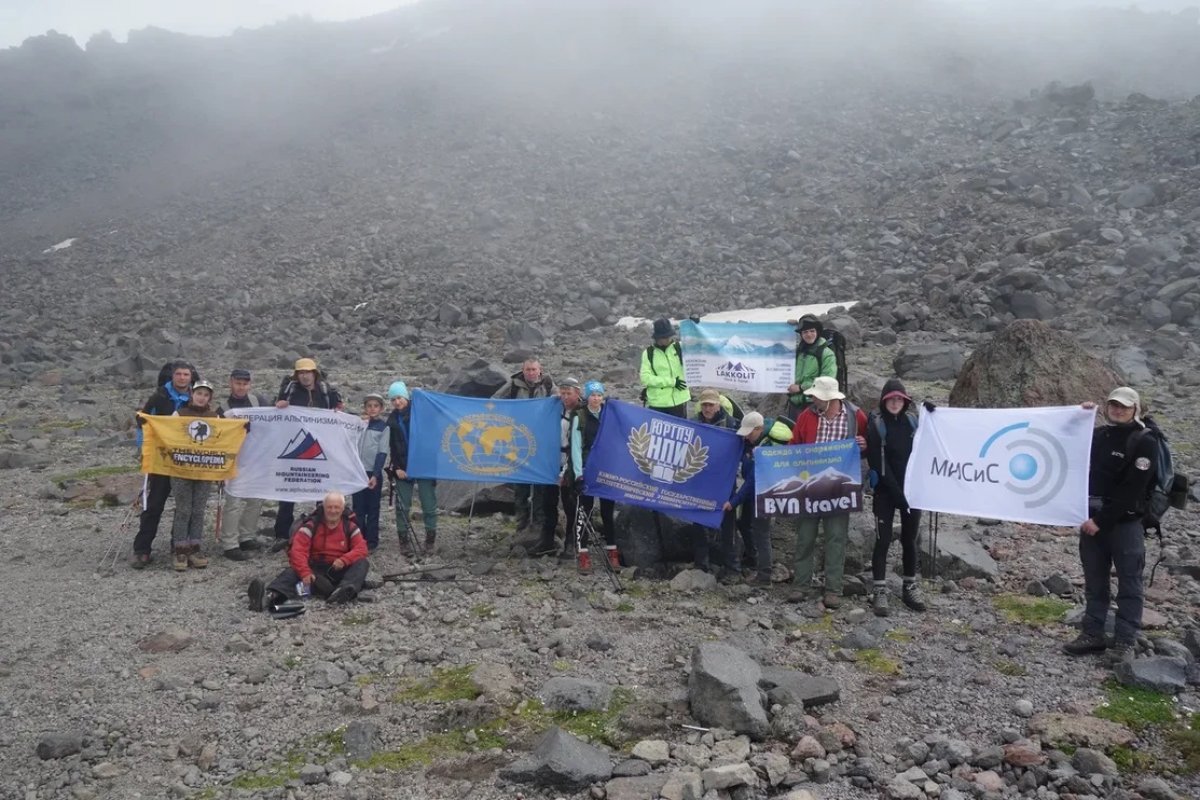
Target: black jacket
column 322, row 395
column 888, row 455
column 398, row 423
column 1121, row 480
column 251, row 400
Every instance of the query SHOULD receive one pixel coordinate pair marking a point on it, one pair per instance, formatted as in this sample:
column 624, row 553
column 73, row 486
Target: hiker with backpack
column 327, row 556
column 890, row 432
column 191, row 495
column 171, row 393
column 815, row 358
column 530, row 382
column 241, row 514
column 828, row 417
column 1124, row 461
column 663, row 385
column 373, row 452
column 306, row 387
column 585, row 425
column 713, row 413
column 569, row 392
column 752, row 430
column 399, row 425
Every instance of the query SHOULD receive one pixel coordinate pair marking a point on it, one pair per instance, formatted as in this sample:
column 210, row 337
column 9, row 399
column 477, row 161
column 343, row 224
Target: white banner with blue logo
column 1019, row 464
column 750, row 356
column 645, row 458
column 477, row 439
column 297, row 454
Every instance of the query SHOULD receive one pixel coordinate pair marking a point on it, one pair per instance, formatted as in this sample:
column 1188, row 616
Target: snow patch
column 63, row 245
column 776, row 314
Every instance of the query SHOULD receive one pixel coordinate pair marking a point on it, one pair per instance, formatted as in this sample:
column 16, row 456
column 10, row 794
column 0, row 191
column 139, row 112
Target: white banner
column 298, row 454
column 750, row 356
column 1019, row 464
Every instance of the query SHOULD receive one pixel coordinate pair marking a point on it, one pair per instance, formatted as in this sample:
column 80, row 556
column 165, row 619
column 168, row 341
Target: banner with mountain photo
column 480, row 439
column 1018, row 464
column 645, row 458
column 298, row 454
column 808, row 480
column 750, row 356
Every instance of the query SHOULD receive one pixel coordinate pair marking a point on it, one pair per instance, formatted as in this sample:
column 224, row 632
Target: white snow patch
column 776, row 314
column 63, row 245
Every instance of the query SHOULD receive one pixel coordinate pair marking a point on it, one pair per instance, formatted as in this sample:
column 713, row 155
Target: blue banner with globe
column 682, row 468
column 477, row 439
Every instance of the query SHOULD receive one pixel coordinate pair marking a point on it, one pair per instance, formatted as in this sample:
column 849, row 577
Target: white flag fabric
column 298, row 454
column 751, row 356
column 1019, row 464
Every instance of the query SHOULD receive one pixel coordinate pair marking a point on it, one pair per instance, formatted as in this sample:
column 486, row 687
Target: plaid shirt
column 832, row 429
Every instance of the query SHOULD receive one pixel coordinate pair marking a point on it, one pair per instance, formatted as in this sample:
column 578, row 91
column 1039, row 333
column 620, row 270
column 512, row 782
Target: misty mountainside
column 951, row 166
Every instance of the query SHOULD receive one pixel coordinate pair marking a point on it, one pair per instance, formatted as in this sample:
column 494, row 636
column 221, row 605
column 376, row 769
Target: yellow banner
column 199, row 448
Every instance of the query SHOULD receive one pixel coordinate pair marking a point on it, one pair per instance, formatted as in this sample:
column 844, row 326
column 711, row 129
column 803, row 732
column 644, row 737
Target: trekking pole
column 933, row 546
column 402, row 512
column 220, row 511
column 470, row 519
column 116, row 543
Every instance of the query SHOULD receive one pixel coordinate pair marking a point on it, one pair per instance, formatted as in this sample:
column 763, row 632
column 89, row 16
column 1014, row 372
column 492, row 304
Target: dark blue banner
column 808, row 480
column 685, row 469
column 472, row 439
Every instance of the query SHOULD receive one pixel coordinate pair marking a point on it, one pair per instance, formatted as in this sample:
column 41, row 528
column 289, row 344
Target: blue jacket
column 164, row 402
column 746, row 492
column 373, row 447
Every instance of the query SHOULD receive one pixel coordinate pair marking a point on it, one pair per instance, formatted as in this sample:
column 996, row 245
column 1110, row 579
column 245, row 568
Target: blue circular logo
column 1023, row 466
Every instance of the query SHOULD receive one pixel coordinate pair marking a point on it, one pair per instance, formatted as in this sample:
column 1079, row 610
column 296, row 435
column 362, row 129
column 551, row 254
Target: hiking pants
column 1124, row 547
column 158, row 489
column 675, row 411
column 551, row 495
column 837, row 530
column 758, row 542
column 284, row 519
column 587, row 503
column 365, row 503
column 353, row 576
column 191, row 497
column 910, row 524
column 527, row 502
column 427, row 493
column 725, row 550
column 240, row 520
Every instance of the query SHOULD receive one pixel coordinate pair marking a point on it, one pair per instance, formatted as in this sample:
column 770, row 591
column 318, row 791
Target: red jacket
column 805, row 429
column 317, row 544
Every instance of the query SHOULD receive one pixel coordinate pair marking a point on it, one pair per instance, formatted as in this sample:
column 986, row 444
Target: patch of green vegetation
column 637, row 589
column 874, row 660
column 291, row 661
column 822, row 625
column 1132, row 761
column 1010, row 668
column 357, row 618
column 1135, row 708
column 597, row 726
column 535, row 590
column 272, row 777
column 1036, row 611
column 562, row 666
column 898, row 635
column 62, row 424
column 483, row 610
column 625, row 606
column 424, row 752
column 1187, row 741
column 367, row 678
column 206, row 794
column 92, row 473
column 444, row 686
column 332, row 742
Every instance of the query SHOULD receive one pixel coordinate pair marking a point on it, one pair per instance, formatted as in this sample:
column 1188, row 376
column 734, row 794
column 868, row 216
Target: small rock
column 1093, row 762
column 694, row 580
column 1023, row 708
column 312, row 774
column 728, row 776
column 59, row 745
column 656, row 751
column 807, row 747
column 171, row 640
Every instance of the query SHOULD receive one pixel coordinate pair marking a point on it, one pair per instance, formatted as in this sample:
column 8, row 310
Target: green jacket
column 812, row 362
column 660, row 369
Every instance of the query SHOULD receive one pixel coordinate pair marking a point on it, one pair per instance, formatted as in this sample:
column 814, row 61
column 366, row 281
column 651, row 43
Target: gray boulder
column 523, row 336
column 960, row 556
column 59, row 745
column 1093, row 762
column 694, row 580
column 479, row 378
column 1160, row 673
column 791, row 687
column 1139, row 195
column 560, row 760
column 723, row 690
column 1031, row 305
column 575, row 694
column 930, row 361
column 451, row 315
column 360, row 739
column 1132, row 362
column 649, row 541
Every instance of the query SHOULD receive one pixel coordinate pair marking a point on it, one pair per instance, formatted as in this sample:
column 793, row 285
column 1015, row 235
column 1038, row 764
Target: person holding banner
column 711, row 413
column 890, row 432
column 373, row 452
column 663, row 385
column 564, row 490
column 399, row 424
column 240, row 513
column 191, row 496
column 814, row 359
column 585, row 424
column 827, row 418
column 530, row 382
column 751, row 430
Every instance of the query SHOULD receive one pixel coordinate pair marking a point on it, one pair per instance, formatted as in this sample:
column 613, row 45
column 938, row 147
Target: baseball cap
column 710, row 396
column 1125, row 396
column 240, row 374
column 305, row 365
column 750, row 422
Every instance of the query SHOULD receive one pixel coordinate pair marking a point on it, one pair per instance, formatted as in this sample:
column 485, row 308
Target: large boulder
column 489, row 498
column 1157, row 673
column 650, row 541
column 792, row 687
column 479, row 378
column 560, row 760
column 930, row 361
column 723, row 690
column 1031, row 364
column 575, row 694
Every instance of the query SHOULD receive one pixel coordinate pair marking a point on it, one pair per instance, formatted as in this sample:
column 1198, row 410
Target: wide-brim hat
column 825, row 388
column 663, row 329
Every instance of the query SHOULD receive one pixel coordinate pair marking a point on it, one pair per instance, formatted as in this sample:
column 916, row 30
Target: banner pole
column 470, row 516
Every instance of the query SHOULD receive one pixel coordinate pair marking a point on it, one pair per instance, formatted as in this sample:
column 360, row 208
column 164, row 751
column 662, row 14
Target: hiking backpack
column 167, row 371
column 835, row 340
column 318, row 514
column 289, row 386
column 777, row 430
column 1170, row 488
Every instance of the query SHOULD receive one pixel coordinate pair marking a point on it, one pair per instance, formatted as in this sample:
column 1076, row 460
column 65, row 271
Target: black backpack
column 835, row 340
column 318, row 514
column 289, row 385
column 1170, row 488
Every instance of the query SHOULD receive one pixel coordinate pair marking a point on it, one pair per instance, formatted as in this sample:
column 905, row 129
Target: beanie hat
column 398, row 389
column 663, row 328
column 593, row 387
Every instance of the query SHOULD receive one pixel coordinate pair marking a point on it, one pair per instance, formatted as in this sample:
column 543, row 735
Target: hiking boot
column 567, row 553
column 911, row 597
column 342, row 594
column 140, row 560
column 279, row 544
column 544, row 547
column 197, row 560
column 585, row 562
column 800, row 595
column 257, row 593
column 1120, row 651
column 250, row 546
column 522, row 524
column 879, row 603
column 758, row 581
column 728, row 577
column 181, row 561
column 832, row 600
column 430, row 543
column 1083, row 644
column 614, row 557
column 236, row 555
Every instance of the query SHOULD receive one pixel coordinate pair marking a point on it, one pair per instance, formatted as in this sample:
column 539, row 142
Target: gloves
column 680, row 384
column 929, row 406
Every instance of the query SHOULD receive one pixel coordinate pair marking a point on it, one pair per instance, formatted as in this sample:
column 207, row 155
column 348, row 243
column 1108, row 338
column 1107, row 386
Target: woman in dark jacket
column 890, row 432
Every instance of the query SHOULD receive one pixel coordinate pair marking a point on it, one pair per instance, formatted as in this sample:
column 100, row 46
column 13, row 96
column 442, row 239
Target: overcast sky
column 20, row 19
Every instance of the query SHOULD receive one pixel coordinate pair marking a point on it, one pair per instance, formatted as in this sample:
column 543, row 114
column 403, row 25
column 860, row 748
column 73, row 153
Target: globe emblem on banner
column 489, row 444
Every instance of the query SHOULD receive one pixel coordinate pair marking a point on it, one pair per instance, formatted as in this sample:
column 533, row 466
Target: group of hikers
column 329, row 547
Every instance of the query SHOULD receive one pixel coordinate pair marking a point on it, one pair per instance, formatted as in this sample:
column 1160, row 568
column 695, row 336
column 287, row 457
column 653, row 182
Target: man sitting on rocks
column 328, row 554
